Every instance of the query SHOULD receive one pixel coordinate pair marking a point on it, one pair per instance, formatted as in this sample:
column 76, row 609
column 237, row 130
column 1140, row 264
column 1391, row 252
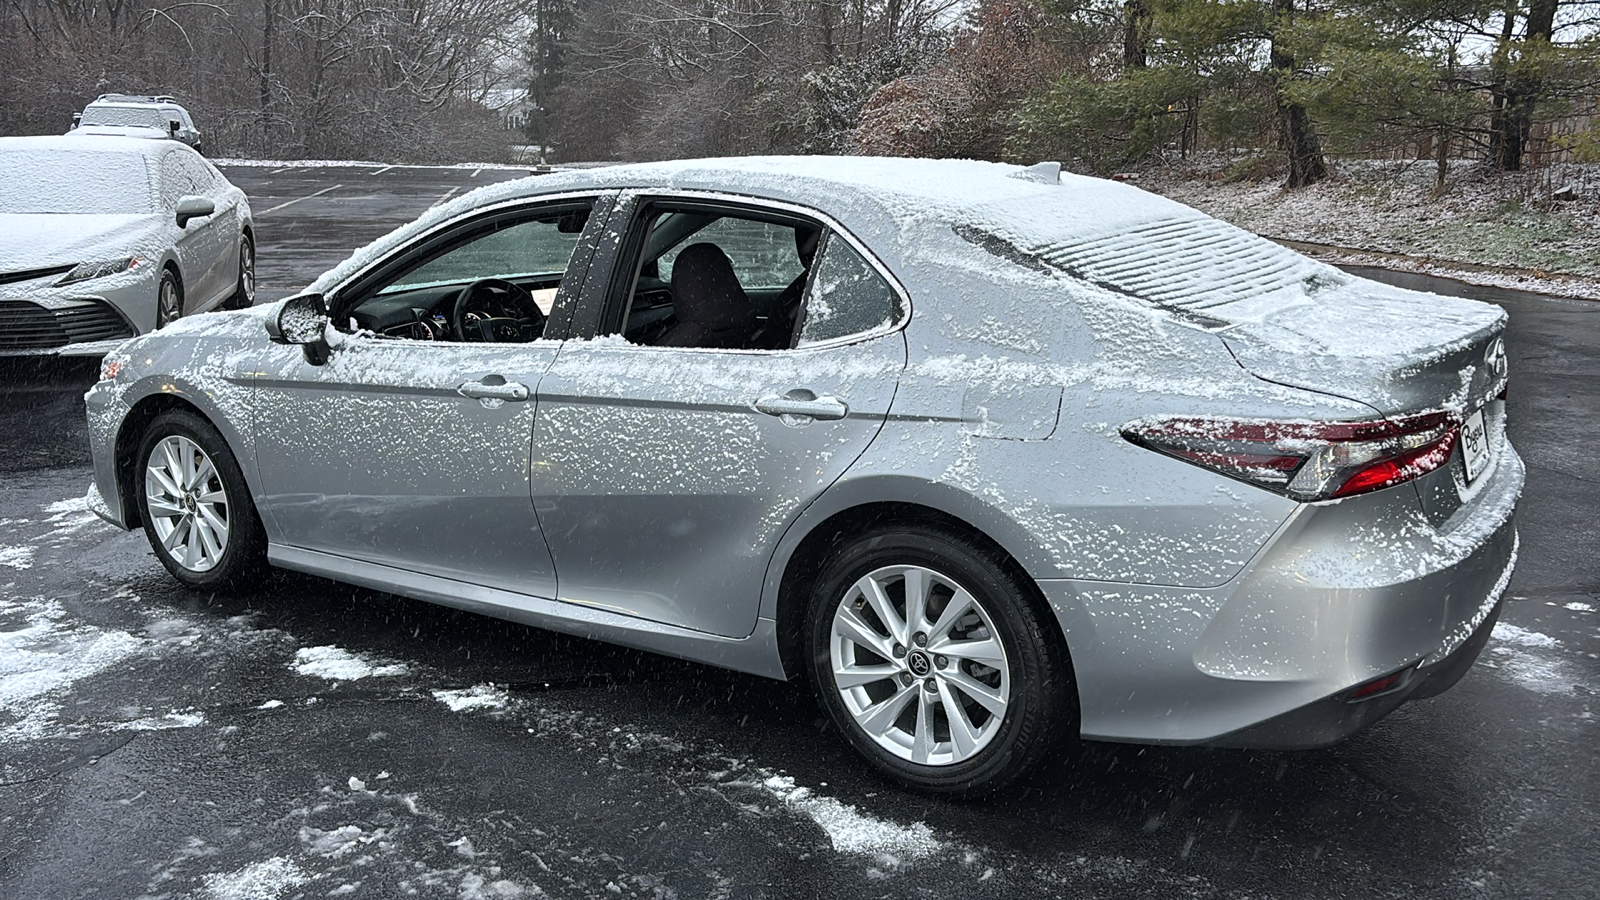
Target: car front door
column 409, row 446
column 203, row 245
column 664, row 473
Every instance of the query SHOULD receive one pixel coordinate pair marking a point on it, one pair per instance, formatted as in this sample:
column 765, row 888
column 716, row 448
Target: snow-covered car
column 137, row 115
column 992, row 455
column 102, row 240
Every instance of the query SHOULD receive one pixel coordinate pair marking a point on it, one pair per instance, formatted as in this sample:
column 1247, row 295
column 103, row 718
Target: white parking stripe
column 444, row 196
column 298, row 199
column 380, row 171
column 475, row 172
column 277, row 171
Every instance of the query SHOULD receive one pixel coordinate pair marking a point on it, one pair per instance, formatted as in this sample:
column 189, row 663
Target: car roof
column 101, row 143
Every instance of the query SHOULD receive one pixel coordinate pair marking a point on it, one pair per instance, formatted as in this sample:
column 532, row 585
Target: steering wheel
column 497, row 329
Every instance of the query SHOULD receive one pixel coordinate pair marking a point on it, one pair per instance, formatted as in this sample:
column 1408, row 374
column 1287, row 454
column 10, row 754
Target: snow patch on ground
column 17, row 557
column 1522, row 637
column 338, row 664
column 1525, row 657
column 48, row 655
column 1576, row 606
column 265, row 880
column 480, row 696
column 853, row 831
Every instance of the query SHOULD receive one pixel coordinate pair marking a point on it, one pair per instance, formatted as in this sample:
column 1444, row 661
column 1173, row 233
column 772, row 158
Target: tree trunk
column 1300, row 142
column 1514, row 94
column 269, row 16
column 1135, row 34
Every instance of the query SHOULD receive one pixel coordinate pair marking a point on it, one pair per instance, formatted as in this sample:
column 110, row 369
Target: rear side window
column 763, row 253
column 847, row 296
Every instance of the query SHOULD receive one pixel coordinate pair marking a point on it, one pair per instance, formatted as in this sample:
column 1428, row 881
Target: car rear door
column 414, row 453
column 664, row 475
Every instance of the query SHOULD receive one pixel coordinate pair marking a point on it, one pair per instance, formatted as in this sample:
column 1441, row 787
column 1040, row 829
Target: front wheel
column 929, row 656
column 169, row 298
column 244, row 293
column 195, row 504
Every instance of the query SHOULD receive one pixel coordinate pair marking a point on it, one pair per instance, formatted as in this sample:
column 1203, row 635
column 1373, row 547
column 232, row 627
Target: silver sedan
column 104, row 237
column 992, row 456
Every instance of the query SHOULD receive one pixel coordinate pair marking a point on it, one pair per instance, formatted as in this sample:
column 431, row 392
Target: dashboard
column 424, row 313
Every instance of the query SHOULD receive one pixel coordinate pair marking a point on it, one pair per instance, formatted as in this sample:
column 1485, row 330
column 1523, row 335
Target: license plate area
column 1474, row 446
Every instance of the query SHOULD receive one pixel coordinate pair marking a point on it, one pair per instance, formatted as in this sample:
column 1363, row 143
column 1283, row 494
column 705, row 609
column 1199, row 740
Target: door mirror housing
column 174, row 125
column 77, row 119
column 303, row 320
column 193, row 207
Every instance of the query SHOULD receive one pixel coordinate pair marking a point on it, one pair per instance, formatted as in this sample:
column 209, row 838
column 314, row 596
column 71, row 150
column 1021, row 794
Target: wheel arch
column 131, row 431
column 821, row 529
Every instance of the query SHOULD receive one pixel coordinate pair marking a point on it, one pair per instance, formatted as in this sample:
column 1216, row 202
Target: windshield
column 124, row 115
column 73, row 181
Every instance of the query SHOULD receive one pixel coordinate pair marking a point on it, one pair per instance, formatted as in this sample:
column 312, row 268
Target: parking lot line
column 277, row 171
column 475, row 173
column 444, row 196
column 298, row 199
column 380, row 171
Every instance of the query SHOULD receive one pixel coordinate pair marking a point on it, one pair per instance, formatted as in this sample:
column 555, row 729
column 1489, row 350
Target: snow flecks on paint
column 853, row 831
column 477, row 697
column 265, row 880
column 338, row 664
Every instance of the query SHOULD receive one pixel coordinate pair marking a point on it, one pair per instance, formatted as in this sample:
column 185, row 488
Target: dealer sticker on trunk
column 1474, row 445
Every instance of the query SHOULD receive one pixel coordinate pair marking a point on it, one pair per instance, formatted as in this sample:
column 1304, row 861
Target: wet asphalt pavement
column 311, row 740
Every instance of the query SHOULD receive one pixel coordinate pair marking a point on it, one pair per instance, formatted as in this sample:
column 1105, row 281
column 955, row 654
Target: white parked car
column 135, row 115
column 102, row 240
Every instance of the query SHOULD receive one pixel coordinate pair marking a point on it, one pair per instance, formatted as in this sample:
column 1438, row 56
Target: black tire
column 1039, row 712
column 243, row 548
column 169, row 298
column 244, row 292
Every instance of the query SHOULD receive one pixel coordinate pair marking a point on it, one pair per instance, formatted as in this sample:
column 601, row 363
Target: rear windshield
column 125, row 115
column 1150, row 249
column 73, row 181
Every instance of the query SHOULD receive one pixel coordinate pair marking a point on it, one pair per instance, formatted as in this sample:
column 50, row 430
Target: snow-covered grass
column 1476, row 225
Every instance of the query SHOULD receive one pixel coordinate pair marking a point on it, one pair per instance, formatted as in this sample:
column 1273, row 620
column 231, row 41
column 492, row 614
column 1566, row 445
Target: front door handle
column 478, row 390
column 803, row 403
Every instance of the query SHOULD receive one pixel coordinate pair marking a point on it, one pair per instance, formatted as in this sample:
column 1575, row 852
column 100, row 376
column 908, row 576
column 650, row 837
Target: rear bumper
column 1333, row 719
column 1345, row 593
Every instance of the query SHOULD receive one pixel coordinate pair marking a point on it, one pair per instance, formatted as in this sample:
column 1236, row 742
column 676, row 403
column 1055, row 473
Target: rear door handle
column 477, row 390
column 803, row 403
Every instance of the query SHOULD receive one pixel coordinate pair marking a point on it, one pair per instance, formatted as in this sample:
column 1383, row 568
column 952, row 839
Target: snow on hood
column 44, row 240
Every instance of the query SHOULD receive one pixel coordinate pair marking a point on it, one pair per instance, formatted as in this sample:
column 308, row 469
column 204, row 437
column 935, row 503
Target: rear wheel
column 169, row 299
column 195, row 504
column 929, row 657
column 244, row 295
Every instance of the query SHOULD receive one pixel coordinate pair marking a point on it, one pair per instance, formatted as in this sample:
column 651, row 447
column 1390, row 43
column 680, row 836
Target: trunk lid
column 1395, row 350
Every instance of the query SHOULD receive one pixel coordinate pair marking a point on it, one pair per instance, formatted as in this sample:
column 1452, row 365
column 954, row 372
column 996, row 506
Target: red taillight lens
column 1306, row 460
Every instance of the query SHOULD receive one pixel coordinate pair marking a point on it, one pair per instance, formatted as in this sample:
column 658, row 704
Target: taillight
column 1306, row 460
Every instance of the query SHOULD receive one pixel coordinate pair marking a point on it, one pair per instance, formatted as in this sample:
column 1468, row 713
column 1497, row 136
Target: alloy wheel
column 247, row 274
column 916, row 660
column 169, row 301
column 187, row 503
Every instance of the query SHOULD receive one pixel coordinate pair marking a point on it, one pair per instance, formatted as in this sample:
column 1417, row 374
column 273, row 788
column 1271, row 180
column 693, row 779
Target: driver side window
column 492, row 280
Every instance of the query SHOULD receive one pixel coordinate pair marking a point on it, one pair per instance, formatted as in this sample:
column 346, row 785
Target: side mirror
column 77, row 119
column 174, row 125
column 193, row 207
column 303, row 320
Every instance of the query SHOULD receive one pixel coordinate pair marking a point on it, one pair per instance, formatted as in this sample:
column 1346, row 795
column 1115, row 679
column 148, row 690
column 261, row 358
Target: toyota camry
column 992, row 456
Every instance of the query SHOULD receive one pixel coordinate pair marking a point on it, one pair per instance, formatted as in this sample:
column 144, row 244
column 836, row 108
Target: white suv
column 131, row 115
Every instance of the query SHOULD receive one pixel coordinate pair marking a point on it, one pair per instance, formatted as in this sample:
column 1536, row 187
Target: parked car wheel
column 169, row 299
column 244, row 295
column 929, row 657
column 195, row 504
